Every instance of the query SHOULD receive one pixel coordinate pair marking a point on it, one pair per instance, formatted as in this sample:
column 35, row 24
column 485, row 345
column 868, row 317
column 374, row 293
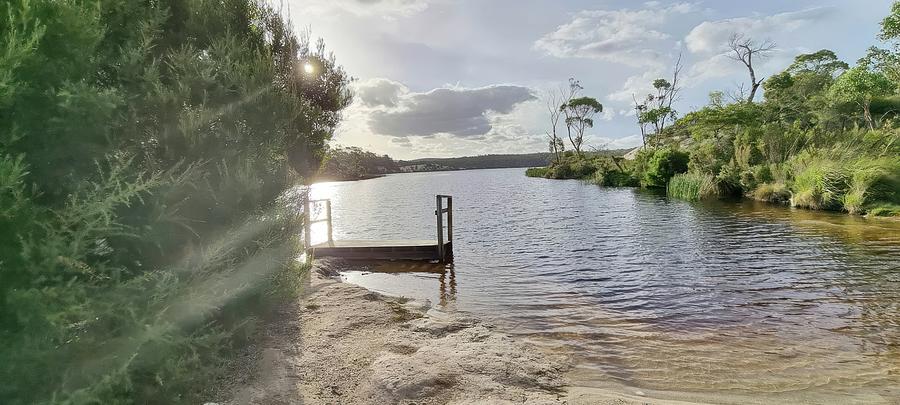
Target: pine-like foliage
column 146, row 151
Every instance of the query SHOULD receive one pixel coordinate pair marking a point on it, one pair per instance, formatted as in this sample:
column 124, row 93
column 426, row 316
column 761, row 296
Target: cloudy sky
column 450, row 78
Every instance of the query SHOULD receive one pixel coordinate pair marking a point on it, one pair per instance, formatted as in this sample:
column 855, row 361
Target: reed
column 692, row 187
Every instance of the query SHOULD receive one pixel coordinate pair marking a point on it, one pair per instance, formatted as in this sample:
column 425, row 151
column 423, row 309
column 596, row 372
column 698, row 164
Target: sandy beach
column 340, row 343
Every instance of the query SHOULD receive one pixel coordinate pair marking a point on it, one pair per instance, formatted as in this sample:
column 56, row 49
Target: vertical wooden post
column 328, row 212
column 449, row 219
column 440, row 228
column 307, row 227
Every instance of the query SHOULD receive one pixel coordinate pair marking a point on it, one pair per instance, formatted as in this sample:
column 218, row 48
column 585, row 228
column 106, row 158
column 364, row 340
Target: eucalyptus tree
column 554, row 100
column 656, row 109
column 580, row 114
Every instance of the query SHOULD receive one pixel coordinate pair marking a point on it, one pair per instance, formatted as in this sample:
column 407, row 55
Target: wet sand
column 341, row 343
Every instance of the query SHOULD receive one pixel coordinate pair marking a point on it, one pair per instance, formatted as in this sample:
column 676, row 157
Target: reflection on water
column 418, row 280
column 713, row 300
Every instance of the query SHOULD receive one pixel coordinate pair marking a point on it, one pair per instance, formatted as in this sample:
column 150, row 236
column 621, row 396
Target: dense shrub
column 613, row 177
column 662, row 165
column 146, row 148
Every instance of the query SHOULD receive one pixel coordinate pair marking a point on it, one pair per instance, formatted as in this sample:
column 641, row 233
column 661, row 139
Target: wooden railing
column 444, row 251
column 308, row 221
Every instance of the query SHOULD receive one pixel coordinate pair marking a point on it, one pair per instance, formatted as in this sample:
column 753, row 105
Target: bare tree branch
column 744, row 49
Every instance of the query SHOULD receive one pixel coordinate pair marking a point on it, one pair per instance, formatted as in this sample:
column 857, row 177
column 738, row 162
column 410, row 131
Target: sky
column 442, row 78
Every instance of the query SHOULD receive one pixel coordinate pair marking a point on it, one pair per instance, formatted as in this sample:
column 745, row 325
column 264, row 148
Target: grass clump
column 771, row 192
column 873, row 182
column 692, row 186
column 820, row 185
column 537, row 172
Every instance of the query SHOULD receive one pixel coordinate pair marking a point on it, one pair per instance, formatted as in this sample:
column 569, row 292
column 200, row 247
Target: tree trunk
column 867, row 114
column 753, row 89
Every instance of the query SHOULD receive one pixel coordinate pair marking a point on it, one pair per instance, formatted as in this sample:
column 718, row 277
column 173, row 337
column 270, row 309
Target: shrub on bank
column 614, row 177
column 661, row 165
column 776, row 193
column 537, row 171
column 147, row 153
column 692, row 186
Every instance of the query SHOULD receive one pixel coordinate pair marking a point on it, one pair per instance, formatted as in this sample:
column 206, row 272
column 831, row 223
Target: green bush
column 537, row 171
column 573, row 167
column 662, row 165
column 614, row 178
column 771, row 192
column 692, row 186
column 147, row 153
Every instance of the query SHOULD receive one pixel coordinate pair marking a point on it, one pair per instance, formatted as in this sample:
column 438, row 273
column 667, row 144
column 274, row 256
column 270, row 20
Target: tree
column 555, row 99
column 657, row 108
column 744, row 50
column 662, row 165
column 580, row 114
column 860, row 85
column 890, row 26
column 798, row 93
column 823, row 62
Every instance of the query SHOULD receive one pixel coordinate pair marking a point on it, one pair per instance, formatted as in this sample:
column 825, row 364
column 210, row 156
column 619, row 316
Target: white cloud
column 712, row 36
column 630, row 37
column 638, row 86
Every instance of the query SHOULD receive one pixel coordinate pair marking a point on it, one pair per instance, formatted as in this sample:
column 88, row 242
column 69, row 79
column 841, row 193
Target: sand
column 342, row 344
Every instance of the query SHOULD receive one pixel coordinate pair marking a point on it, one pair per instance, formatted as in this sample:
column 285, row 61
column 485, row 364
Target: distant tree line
column 825, row 136
column 353, row 163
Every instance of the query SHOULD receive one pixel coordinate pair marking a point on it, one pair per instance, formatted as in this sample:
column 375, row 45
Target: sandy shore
column 342, row 344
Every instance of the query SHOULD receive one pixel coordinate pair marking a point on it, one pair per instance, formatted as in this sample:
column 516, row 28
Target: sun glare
column 309, row 68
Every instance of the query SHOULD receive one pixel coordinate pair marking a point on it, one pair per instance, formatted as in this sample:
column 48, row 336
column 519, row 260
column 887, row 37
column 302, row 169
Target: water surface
column 723, row 302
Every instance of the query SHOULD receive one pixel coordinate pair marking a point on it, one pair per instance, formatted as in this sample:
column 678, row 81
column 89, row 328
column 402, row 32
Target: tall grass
column 853, row 178
column 692, row 186
column 537, row 171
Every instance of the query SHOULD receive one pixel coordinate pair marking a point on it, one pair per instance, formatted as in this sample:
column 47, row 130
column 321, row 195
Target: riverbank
column 340, row 343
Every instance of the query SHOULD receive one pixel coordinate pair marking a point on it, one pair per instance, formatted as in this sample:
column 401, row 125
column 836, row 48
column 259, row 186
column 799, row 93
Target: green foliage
column 771, row 192
column 825, row 137
column 692, row 186
column 860, row 86
column 579, row 113
column 353, row 163
column 146, row 149
column 890, row 26
column 819, row 184
column 661, row 165
column 537, row 171
column 598, row 168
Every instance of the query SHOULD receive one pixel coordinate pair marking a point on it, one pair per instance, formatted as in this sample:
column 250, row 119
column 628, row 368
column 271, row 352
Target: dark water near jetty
column 723, row 301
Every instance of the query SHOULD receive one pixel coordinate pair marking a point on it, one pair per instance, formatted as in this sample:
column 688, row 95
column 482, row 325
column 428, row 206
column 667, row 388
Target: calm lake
column 721, row 302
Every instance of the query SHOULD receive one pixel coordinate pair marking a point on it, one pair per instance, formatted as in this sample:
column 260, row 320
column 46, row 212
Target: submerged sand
column 342, row 344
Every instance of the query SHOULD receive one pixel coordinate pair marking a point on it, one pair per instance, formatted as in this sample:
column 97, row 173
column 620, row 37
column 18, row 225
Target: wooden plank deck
column 415, row 249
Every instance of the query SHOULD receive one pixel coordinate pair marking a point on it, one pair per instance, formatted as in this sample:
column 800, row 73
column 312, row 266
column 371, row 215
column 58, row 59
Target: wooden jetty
column 440, row 249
